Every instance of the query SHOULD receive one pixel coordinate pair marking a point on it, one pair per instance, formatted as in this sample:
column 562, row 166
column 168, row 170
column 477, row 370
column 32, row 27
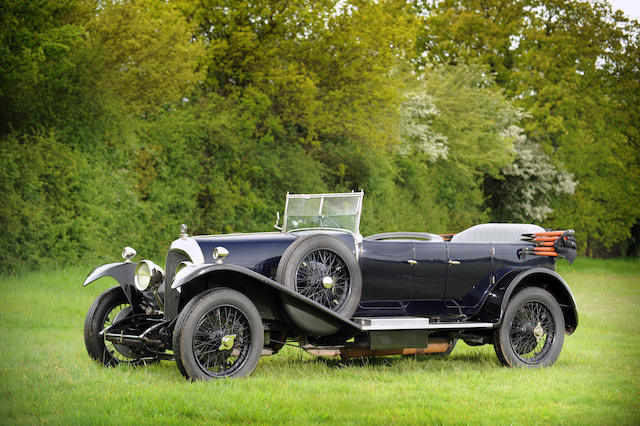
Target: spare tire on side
column 324, row 269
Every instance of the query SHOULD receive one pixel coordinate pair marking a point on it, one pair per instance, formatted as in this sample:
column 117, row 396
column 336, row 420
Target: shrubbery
column 121, row 120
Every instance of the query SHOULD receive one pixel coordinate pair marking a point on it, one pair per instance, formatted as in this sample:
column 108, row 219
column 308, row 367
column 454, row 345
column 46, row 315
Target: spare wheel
column 324, row 269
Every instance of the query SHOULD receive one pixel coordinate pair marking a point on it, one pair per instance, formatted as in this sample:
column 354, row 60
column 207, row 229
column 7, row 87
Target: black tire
column 218, row 334
column 532, row 330
column 104, row 310
column 310, row 260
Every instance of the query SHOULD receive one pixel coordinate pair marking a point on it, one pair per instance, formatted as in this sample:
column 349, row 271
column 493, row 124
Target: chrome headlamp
column 148, row 275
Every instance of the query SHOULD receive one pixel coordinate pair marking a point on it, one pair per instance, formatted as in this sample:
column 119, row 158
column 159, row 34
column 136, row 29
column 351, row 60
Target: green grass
column 46, row 375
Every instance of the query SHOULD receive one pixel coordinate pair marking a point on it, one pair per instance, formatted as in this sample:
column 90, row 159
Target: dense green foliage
column 574, row 68
column 47, row 376
column 119, row 120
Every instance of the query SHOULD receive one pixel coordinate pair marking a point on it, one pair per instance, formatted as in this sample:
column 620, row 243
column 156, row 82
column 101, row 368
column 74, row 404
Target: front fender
column 305, row 314
column 123, row 272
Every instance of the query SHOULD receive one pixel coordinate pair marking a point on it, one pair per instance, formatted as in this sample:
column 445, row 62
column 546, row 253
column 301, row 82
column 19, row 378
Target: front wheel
column 109, row 307
column 532, row 330
column 219, row 334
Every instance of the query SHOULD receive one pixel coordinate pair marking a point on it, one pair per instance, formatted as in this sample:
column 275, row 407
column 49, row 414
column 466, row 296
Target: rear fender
column 273, row 300
column 496, row 304
column 123, row 272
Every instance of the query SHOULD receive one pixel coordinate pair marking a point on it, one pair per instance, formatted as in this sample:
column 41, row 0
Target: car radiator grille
column 171, row 296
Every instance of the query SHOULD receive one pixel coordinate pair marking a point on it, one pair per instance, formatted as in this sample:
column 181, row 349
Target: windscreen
column 334, row 211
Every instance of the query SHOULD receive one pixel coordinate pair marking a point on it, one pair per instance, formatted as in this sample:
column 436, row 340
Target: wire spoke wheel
column 532, row 332
column 119, row 352
column 221, row 340
column 324, row 277
column 218, row 334
column 111, row 307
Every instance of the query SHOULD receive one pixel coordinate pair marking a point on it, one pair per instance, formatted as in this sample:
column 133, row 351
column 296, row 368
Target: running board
column 414, row 323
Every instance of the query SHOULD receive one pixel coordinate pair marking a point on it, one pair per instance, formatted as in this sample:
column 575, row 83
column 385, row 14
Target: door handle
column 412, row 262
column 453, row 262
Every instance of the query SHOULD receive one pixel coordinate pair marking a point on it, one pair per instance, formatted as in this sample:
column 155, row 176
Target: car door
column 429, row 274
column 387, row 275
column 468, row 273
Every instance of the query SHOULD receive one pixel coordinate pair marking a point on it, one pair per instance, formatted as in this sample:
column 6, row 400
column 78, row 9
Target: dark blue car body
column 405, row 292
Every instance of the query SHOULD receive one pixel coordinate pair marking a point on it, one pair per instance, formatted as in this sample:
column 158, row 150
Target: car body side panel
column 487, row 263
column 474, row 268
column 259, row 252
column 386, row 273
column 306, row 314
column 429, row 278
column 509, row 256
column 430, row 270
column 391, row 285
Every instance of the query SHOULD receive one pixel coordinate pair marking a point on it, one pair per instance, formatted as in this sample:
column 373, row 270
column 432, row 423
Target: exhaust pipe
column 435, row 347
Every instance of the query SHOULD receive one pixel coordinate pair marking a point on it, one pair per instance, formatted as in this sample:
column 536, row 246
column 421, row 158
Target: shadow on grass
column 295, row 362
column 476, row 358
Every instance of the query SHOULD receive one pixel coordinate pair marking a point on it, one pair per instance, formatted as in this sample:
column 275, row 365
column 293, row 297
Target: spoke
column 530, row 317
column 110, row 346
column 311, row 272
column 221, row 321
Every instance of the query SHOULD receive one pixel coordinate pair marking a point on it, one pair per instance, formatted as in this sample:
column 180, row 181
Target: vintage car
column 223, row 301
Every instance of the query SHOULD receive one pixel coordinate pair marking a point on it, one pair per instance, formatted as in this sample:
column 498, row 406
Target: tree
column 528, row 187
column 458, row 130
column 573, row 66
column 315, row 83
column 145, row 55
column 39, row 66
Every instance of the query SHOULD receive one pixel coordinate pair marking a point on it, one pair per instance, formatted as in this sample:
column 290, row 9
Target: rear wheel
column 109, row 307
column 219, row 334
column 532, row 330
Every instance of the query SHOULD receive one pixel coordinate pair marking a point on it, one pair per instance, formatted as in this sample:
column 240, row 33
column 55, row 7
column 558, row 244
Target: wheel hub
column 227, row 342
column 321, row 276
column 538, row 332
column 327, row 282
column 532, row 332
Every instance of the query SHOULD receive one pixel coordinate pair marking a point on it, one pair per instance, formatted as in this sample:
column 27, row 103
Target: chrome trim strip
column 326, row 194
column 321, row 229
column 232, row 234
column 414, row 323
column 392, row 323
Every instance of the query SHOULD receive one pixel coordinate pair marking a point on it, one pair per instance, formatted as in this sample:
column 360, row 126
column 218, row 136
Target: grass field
column 47, row 377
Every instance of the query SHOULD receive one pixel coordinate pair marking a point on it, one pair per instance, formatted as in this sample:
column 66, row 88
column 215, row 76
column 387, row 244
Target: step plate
column 414, row 323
